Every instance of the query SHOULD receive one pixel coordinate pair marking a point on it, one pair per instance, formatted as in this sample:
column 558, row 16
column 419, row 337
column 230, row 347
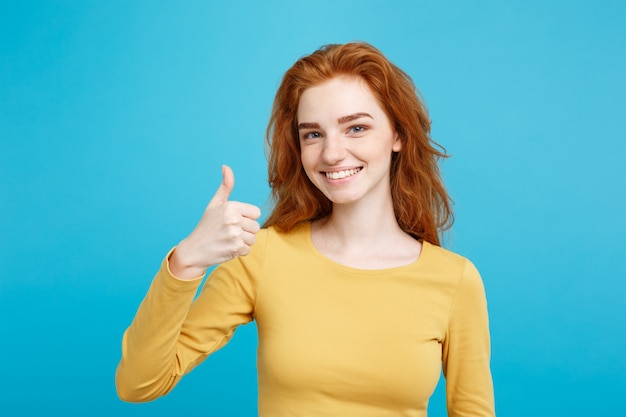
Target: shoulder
column 297, row 236
column 272, row 242
column 456, row 269
column 444, row 259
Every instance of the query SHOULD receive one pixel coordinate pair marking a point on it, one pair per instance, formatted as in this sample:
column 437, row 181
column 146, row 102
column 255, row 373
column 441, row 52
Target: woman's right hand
column 226, row 230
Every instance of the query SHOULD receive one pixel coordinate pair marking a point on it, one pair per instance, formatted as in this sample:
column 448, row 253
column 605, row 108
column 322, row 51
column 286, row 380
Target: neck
column 362, row 224
column 365, row 236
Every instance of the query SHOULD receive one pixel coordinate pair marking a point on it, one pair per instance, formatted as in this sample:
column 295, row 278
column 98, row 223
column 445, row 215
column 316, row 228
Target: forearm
column 149, row 367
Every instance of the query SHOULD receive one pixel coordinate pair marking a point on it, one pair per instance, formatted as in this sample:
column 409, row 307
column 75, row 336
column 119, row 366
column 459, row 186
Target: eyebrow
column 341, row 120
column 308, row 126
column 351, row 117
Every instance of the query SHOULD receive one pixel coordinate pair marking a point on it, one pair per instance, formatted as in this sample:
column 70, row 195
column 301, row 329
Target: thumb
column 225, row 188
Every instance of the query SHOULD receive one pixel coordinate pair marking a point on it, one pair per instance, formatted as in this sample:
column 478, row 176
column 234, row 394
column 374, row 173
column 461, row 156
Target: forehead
column 338, row 97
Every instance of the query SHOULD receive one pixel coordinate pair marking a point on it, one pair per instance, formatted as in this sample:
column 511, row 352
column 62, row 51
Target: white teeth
column 342, row 174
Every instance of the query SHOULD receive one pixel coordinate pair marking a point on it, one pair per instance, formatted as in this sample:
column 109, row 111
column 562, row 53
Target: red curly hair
column 421, row 204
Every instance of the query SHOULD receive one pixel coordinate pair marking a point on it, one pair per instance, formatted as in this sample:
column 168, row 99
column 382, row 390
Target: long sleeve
column 466, row 350
column 333, row 340
column 148, row 368
column 171, row 333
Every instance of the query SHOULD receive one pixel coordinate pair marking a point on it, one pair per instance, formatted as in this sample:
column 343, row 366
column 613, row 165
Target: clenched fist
column 226, row 230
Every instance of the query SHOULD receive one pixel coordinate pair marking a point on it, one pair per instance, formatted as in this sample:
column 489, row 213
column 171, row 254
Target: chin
column 341, row 199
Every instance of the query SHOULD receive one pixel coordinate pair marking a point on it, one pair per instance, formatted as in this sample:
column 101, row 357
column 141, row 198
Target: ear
column 397, row 144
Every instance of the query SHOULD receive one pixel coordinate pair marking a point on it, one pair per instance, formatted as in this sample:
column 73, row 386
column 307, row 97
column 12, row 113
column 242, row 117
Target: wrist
column 181, row 267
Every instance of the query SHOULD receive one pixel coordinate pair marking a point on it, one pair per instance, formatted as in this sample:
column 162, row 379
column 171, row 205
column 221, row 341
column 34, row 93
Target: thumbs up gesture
column 226, row 230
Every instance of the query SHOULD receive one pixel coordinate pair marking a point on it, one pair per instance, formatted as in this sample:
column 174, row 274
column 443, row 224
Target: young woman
column 357, row 306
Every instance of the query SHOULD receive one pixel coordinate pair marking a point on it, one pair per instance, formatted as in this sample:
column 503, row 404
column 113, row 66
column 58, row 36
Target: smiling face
column 346, row 141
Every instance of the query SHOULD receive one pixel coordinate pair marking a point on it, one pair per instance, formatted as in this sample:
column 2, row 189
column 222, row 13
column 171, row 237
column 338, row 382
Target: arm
column 170, row 334
column 466, row 350
column 150, row 366
column 161, row 345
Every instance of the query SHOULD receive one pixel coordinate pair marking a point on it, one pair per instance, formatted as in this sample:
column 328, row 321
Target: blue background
column 116, row 116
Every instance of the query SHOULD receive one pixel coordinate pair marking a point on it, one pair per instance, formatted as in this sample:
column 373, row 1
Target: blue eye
column 312, row 135
column 357, row 129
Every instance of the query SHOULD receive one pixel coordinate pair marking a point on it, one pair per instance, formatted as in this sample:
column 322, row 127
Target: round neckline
column 370, row 272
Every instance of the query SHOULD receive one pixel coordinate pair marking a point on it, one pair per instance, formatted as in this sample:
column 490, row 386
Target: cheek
column 306, row 159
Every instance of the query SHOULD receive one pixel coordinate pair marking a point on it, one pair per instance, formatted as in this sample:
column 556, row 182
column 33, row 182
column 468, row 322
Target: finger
column 225, row 188
column 249, row 225
column 247, row 210
column 243, row 252
column 249, row 238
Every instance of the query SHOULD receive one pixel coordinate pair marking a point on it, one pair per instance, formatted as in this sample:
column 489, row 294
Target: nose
column 334, row 150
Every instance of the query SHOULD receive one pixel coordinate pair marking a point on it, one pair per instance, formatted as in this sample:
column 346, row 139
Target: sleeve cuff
column 166, row 269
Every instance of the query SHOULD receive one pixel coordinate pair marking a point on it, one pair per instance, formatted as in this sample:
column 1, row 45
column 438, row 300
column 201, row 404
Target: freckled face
column 346, row 141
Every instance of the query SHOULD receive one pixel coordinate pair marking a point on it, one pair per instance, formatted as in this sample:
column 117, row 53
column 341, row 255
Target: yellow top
column 333, row 340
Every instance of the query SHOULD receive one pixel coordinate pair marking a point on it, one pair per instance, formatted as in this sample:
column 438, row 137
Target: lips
column 336, row 175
